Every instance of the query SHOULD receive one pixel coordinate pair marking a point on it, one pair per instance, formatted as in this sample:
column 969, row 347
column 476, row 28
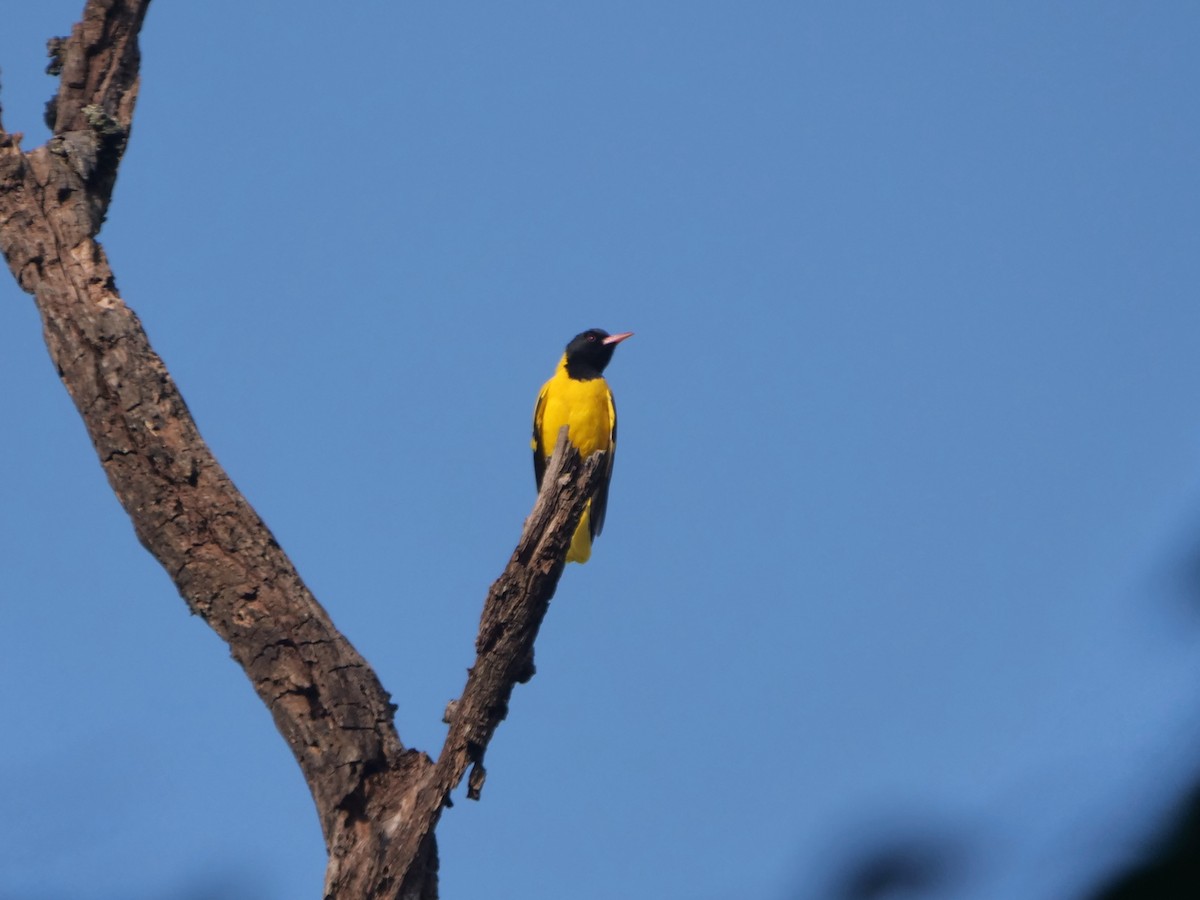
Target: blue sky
column 909, row 454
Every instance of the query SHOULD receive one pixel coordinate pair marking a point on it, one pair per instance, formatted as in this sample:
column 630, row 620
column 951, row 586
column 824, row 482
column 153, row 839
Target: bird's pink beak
column 617, row 338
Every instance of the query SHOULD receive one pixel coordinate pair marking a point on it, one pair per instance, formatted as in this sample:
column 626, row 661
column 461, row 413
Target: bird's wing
column 600, row 500
column 539, row 452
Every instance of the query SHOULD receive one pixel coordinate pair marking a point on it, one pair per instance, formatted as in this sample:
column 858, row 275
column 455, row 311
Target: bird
column 578, row 396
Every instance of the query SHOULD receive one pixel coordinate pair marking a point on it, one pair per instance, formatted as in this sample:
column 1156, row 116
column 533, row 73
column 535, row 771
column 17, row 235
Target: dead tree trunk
column 378, row 802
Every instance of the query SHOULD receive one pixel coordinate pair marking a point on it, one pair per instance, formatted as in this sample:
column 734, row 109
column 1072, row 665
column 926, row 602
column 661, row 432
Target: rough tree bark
column 378, row 802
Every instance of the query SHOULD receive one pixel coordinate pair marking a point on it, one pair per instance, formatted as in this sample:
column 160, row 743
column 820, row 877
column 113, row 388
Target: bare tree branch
column 185, row 510
column 512, row 614
column 378, row 802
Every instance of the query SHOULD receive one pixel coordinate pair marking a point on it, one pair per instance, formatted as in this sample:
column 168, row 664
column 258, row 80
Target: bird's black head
column 589, row 352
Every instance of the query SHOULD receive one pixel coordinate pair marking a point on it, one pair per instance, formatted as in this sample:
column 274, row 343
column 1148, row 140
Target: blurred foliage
column 1171, row 868
column 905, row 869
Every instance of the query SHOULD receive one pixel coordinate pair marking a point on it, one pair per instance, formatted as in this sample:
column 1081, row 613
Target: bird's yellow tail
column 581, row 541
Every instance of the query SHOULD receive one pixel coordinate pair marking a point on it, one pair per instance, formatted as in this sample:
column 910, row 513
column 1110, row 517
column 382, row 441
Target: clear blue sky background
column 910, row 447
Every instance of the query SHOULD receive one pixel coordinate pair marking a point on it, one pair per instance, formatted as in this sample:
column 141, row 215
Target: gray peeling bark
column 378, row 802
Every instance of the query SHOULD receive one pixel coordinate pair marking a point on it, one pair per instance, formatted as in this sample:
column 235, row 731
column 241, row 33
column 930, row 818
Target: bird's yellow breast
column 585, row 407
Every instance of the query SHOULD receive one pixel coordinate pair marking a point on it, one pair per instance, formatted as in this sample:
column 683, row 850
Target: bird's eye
column 591, row 337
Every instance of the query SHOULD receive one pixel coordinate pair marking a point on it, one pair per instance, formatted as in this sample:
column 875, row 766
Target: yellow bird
column 578, row 397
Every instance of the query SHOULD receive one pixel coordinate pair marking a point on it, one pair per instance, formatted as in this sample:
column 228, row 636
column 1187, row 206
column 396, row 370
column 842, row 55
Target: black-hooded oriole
column 578, row 397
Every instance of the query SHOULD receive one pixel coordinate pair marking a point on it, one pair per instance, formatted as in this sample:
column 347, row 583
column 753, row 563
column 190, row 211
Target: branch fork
column 378, row 801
